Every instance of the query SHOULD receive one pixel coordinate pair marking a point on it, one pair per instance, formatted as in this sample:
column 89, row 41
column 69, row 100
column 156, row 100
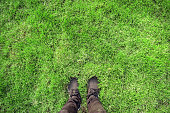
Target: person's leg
column 93, row 103
column 73, row 104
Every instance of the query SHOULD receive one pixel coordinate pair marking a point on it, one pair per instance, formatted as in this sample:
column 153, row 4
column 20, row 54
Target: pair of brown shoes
column 92, row 87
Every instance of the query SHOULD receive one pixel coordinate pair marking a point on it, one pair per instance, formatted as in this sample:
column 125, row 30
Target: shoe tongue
column 74, row 92
column 93, row 92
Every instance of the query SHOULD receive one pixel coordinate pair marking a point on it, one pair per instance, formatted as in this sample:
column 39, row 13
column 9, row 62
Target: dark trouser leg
column 94, row 105
column 71, row 106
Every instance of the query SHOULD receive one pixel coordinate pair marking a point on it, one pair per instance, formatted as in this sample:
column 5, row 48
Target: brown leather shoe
column 74, row 92
column 93, row 87
column 73, row 87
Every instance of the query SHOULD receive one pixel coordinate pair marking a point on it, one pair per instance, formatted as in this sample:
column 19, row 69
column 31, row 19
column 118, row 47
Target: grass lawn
column 123, row 42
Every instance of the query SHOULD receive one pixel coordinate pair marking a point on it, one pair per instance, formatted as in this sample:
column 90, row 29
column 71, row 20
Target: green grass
column 123, row 42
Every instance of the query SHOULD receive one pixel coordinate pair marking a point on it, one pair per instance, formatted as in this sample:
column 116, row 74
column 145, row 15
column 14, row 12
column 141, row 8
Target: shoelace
column 74, row 92
column 94, row 92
